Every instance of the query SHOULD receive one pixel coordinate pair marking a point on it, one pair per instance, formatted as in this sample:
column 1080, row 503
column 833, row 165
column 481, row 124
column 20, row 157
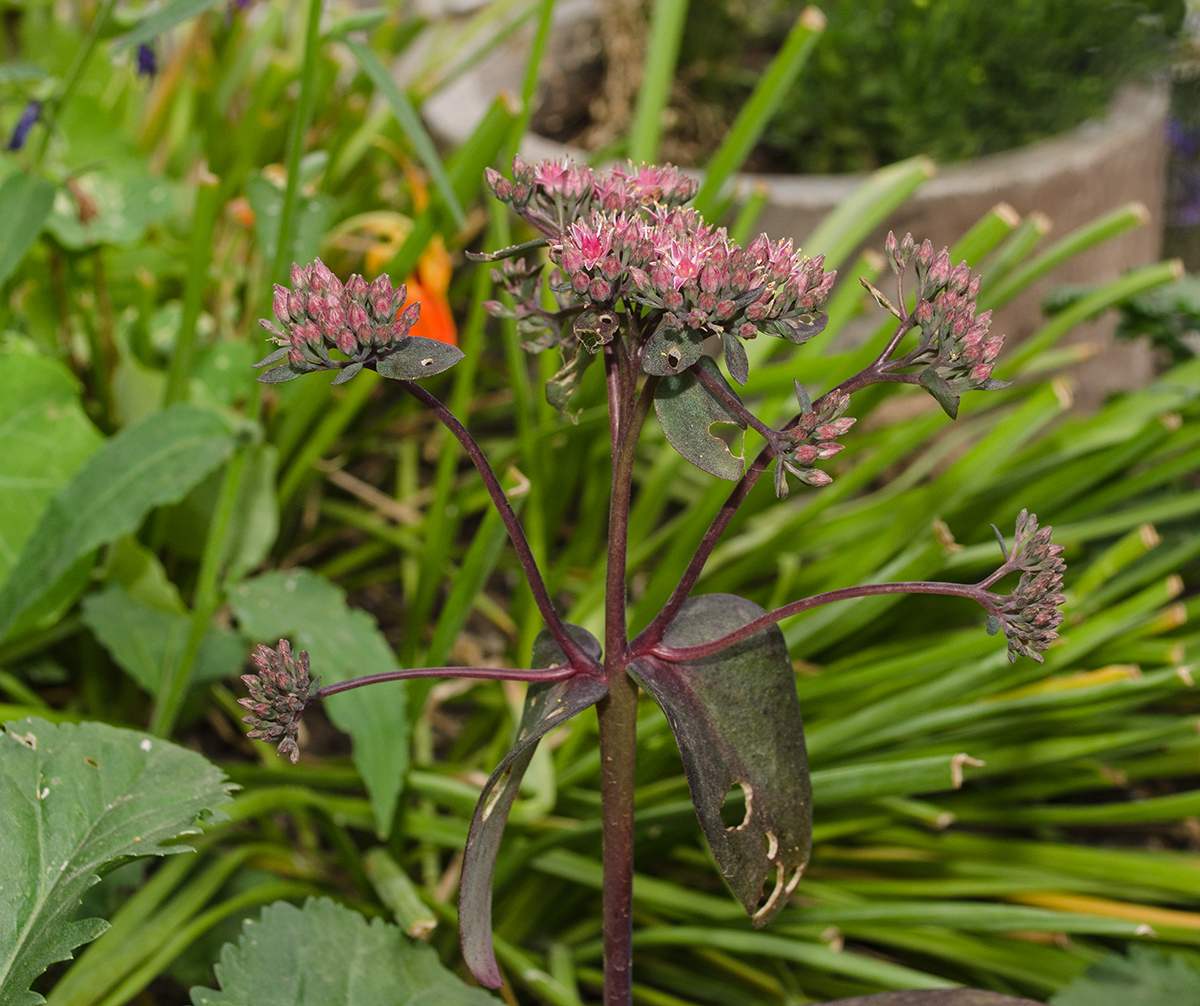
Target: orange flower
column 429, row 285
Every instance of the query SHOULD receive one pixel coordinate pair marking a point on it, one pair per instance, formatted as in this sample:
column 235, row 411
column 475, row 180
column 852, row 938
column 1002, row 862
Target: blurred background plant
column 157, row 517
column 992, row 77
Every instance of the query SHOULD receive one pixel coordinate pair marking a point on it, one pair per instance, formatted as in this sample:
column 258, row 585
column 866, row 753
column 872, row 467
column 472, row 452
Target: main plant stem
column 617, row 712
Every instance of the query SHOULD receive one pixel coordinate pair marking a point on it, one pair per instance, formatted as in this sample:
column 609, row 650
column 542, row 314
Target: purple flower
column 147, row 61
column 29, row 117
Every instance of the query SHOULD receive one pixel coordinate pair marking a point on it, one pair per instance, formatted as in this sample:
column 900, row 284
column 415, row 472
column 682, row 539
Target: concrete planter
column 1071, row 179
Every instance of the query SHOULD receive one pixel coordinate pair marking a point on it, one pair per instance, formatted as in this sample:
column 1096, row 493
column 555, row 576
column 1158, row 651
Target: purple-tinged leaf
column 278, row 375
column 671, row 351
column 546, row 706
column 596, row 327
column 802, row 398
column 418, row 358
column 348, row 373
column 735, row 358
column 687, row 411
column 279, row 354
column 737, row 721
column 934, row 997
column 943, row 394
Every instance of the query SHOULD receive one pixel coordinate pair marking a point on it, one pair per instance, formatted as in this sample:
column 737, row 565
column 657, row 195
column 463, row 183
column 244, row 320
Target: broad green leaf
column 145, row 640
column 687, row 412
column 325, row 954
column 418, row 358
column 25, row 202
column 155, row 462
column 342, row 643
column 546, row 706
column 166, row 17
column 44, row 438
column 313, row 217
column 935, row 997
column 737, row 721
column 78, row 800
column 127, row 200
column 1146, row 977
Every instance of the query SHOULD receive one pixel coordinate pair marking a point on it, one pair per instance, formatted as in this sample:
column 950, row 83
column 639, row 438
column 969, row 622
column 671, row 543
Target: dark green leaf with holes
column 418, row 358
column 546, row 706
column 737, row 722
column 671, row 351
column 687, row 412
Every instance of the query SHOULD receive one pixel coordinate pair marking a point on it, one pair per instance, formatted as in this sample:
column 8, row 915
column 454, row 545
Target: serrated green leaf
column 25, row 202
column 687, row 412
column 77, row 800
column 281, row 374
column 325, row 954
column 1146, row 977
column 144, row 641
column 546, row 706
column 44, row 438
column 418, row 358
column 342, row 643
column 737, row 722
column 144, row 466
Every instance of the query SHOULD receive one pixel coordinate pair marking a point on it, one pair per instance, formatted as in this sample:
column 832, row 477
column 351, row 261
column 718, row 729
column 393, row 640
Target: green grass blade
column 658, row 72
column 756, row 113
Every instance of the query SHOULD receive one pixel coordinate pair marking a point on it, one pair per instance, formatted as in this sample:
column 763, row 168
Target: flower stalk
column 645, row 284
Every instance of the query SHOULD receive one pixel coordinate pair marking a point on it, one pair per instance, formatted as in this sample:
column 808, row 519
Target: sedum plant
column 642, row 283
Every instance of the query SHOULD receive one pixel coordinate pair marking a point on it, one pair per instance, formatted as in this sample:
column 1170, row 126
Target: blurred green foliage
column 952, row 79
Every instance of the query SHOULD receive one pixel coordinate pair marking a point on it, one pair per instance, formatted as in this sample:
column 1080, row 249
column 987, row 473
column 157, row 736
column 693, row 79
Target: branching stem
column 486, row 673
column 684, row 654
column 576, row 656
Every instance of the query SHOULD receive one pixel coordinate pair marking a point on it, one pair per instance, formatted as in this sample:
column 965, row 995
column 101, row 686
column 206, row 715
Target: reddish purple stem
column 575, row 654
column 487, row 673
column 684, row 654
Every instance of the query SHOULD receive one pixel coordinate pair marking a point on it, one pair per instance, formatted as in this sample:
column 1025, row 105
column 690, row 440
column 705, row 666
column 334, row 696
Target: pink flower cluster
column 552, row 195
column 671, row 260
column 954, row 339
column 320, row 314
column 813, row 439
column 1031, row 614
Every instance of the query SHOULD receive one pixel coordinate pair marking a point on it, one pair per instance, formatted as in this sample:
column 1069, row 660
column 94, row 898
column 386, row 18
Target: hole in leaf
column 494, row 796
column 771, row 845
column 673, row 357
column 738, row 806
column 765, row 907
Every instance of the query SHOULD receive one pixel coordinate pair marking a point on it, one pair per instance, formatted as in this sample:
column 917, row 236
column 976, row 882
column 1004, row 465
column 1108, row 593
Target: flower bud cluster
column 706, row 283
column 954, row 339
column 596, row 254
column 279, row 693
column 537, row 327
column 320, row 314
column 1031, row 613
column 554, row 194
column 813, row 439
column 900, row 252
